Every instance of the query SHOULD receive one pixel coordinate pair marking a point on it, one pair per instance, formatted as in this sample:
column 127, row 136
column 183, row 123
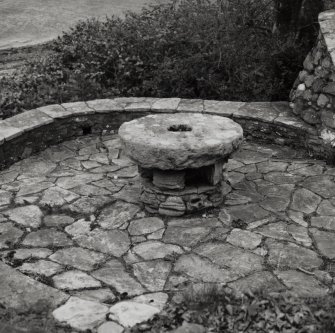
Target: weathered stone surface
column 113, row 242
column 169, row 179
column 297, row 217
column 173, row 206
column 5, row 198
column 114, row 274
column 129, row 313
column 57, row 220
column 28, row 216
column 33, row 187
column 24, row 294
column 238, row 261
column 250, row 157
column 36, row 166
column 9, row 235
column 305, row 201
column 165, row 105
column 41, row 267
column 110, row 327
column 152, row 274
column 74, row 280
column 327, row 208
column 321, row 185
column 156, row 250
column 302, row 284
column 78, row 257
column 324, row 242
column 80, row 179
column 244, row 238
column 81, row 314
column 57, row 197
column 103, row 295
column 208, row 222
column 270, row 166
column 247, row 213
column 323, row 222
column 78, row 228
column 89, row 205
column 282, row 178
column 23, row 254
column 117, row 215
column 185, row 236
column 145, row 225
column 158, row 300
column 90, row 190
column 312, row 170
column 47, row 238
column 289, row 255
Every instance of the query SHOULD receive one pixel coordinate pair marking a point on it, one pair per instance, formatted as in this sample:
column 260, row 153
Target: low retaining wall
column 34, row 130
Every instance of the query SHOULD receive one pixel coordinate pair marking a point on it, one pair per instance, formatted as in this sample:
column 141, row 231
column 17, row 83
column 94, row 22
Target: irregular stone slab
column 109, row 185
column 57, row 153
column 327, row 207
column 210, row 222
column 103, row 295
column 202, row 270
column 185, row 236
column 47, row 238
column 41, row 267
column 78, row 257
column 158, row 300
column 297, row 217
column 145, row 225
column 5, row 198
column 256, row 282
column 308, row 171
column 290, row 255
column 23, row 254
column 152, row 274
column 250, row 157
column 324, row 242
column 90, row 190
column 74, row 280
column 323, row 222
column 156, row 235
column 8, row 177
column 28, row 216
column 113, row 242
column 110, row 327
column 303, row 285
column 25, row 294
column 77, row 180
column 26, row 189
column 36, row 166
column 57, row 197
column 237, row 260
column 156, row 250
column 89, row 205
column 271, row 166
column 81, row 314
column 321, row 185
column 275, row 204
column 78, row 228
column 282, row 178
column 247, row 213
column 305, row 201
column 299, row 234
column 129, row 313
column 113, row 273
column 173, row 206
column 276, row 230
column 9, row 235
column 130, row 194
column 244, row 238
column 57, row 220
column 117, row 215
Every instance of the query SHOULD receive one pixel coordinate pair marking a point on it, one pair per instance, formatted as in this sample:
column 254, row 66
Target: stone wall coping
column 327, row 26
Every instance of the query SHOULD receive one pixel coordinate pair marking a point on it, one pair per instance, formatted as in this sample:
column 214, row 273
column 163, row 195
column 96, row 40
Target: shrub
column 209, row 49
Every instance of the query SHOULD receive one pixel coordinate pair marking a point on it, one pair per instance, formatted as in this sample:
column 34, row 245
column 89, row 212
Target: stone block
column 322, row 100
column 308, row 63
column 78, row 108
column 311, row 116
column 8, row 132
column 173, row 206
column 191, row 105
column 105, row 105
column 165, row 105
column 55, row 111
column 222, row 108
column 168, row 179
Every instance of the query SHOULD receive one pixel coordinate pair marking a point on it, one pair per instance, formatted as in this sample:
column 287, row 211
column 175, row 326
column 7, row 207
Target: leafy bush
column 209, row 49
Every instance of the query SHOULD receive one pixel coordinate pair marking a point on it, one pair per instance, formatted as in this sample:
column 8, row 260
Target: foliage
column 223, row 50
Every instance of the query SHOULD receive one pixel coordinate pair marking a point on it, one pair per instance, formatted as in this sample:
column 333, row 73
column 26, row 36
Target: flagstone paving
column 71, row 226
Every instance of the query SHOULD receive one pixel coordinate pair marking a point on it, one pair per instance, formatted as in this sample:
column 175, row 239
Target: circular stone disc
column 179, row 141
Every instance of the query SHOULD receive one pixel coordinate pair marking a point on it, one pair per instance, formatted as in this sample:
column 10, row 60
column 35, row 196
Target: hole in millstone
column 180, row 128
column 87, row 130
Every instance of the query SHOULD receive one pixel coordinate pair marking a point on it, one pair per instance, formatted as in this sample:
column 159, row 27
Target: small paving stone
column 305, row 201
column 5, row 198
column 47, row 238
column 74, row 280
column 81, row 179
column 41, row 267
column 108, row 184
column 247, row 213
column 244, row 238
column 324, row 242
column 78, row 257
column 323, row 222
column 81, row 314
column 113, row 274
column 156, row 235
column 282, row 178
column 78, row 228
column 210, row 222
column 297, row 217
column 103, row 295
column 158, row 300
column 152, row 274
column 89, row 205
column 57, row 197
column 270, row 166
column 28, row 216
column 129, row 313
column 36, row 166
column 9, row 235
column 8, row 177
column 57, row 220
column 302, row 284
column 57, row 153
column 327, row 208
column 23, row 254
column 156, row 250
column 110, row 327
column 26, row 189
column 144, row 226
column 185, row 236
column 290, row 255
column 321, row 185
column 217, row 234
column 112, row 242
column 312, row 170
column 117, row 215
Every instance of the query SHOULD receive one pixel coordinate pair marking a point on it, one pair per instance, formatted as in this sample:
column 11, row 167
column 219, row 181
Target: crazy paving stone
column 28, row 216
column 100, row 157
column 297, row 217
column 74, row 280
column 233, row 164
column 130, row 194
column 217, row 234
column 202, row 270
column 158, row 300
column 36, row 166
column 244, row 238
column 324, row 242
column 282, row 178
column 80, row 179
column 156, row 235
column 80, row 227
column 28, row 188
column 321, row 185
column 78, row 257
column 23, row 254
column 89, row 205
column 90, row 164
column 270, row 166
column 57, row 153
column 9, row 235
column 57, row 220
column 250, row 157
column 156, row 250
column 8, row 177
column 152, row 274
column 289, row 255
column 185, row 236
column 108, row 184
column 41, row 267
column 57, row 197
column 117, row 215
column 312, row 170
column 210, row 222
column 25, row 294
column 275, row 204
column 103, row 295
column 144, row 226
column 129, row 313
column 256, row 282
column 110, row 327
column 113, row 242
column 323, row 222
column 89, row 190
column 303, row 285
column 237, row 260
column 300, row 234
column 327, row 208
column 129, row 172
column 305, row 201
column 247, row 213
column 81, row 314
column 47, row 238
column 5, row 198
column 113, row 274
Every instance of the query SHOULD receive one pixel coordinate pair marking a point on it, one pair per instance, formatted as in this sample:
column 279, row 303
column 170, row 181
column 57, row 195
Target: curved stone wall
column 34, row 130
